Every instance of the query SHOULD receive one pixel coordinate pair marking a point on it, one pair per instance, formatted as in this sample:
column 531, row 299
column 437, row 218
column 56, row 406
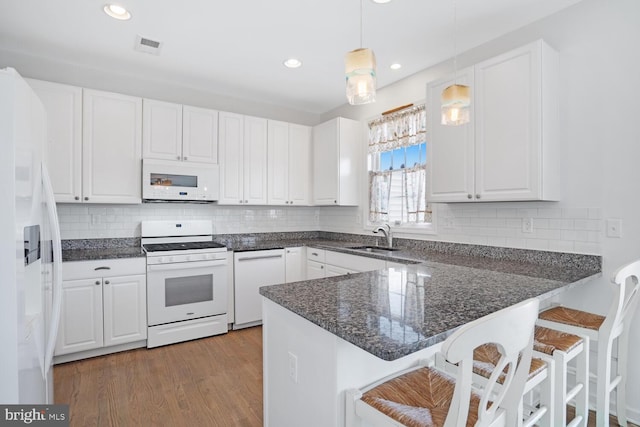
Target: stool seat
column 570, row 316
column 420, row 398
column 547, row 340
column 487, row 356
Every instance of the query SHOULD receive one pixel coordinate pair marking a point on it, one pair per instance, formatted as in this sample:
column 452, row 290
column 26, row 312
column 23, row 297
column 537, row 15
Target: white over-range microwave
column 170, row 180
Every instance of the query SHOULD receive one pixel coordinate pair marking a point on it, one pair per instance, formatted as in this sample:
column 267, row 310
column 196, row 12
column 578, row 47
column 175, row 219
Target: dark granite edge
column 123, row 242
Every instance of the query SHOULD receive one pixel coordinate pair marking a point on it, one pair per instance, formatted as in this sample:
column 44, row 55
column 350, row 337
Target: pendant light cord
column 455, row 43
column 361, row 25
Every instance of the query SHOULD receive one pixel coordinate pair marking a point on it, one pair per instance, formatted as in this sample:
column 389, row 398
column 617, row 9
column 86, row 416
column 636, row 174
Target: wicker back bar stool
column 607, row 331
column 429, row 397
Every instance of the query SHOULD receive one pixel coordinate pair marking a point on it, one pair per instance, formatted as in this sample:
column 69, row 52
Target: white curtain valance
column 401, row 129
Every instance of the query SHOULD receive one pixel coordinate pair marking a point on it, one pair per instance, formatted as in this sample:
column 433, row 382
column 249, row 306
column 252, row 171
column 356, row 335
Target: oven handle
column 186, row 265
column 251, row 258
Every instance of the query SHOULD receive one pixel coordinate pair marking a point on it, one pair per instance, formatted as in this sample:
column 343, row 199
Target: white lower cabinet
column 322, row 263
column 252, row 270
column 294, row 266
column 103, row 305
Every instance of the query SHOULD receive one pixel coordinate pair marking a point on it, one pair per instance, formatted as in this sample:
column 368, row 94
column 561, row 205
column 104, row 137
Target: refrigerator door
column 23, row 295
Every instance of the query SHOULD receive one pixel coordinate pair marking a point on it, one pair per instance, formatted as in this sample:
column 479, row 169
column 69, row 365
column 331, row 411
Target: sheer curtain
column 398, row 193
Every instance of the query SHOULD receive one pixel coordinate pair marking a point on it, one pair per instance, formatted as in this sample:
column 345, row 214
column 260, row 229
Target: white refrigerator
column 30, row 253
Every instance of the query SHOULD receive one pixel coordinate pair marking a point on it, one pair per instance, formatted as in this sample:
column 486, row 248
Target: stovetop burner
column 163, row 247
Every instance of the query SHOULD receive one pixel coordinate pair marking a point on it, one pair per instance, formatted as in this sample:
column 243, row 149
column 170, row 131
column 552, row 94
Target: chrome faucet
column 386, row 230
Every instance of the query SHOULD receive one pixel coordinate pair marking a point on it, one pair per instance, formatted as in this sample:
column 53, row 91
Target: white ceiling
column 236, row 47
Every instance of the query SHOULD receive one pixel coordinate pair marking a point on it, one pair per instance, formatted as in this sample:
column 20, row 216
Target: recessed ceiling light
column 117, row 12
column 292, row 63
column 395, row 66
column 381, row 1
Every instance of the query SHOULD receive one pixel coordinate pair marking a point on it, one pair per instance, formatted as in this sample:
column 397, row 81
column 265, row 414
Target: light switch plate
column 614, row 227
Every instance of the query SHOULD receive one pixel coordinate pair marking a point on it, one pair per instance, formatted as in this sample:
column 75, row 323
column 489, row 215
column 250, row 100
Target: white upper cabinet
column 63, row 105
column 112, row 147
column 509, row 151
column 336, row 158
column 243, row 159
column 288, row 168
column 199, row 134
column 161, row 130
column 177, row 132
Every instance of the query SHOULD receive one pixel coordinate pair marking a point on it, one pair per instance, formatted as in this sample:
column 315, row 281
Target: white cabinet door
column 231, row 153
column 112, row 147
column 451, row 151
column 334, row 270
column 278, row 163
column 294, row 266
column 81, row 316
column 199, row 135
column 63, row 105
column 253, row 270
column 337, row 157
column 299, row 165
column 353, row 263
column 325, row 163
column 255, row 161
column 161, row 130
column 315, row 270
column 510, row 143
column 125, row 309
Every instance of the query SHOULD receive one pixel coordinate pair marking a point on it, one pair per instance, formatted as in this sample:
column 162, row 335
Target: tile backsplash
column 84, row 221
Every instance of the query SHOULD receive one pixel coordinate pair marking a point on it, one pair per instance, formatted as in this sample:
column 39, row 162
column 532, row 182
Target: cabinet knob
column 322, row 267
column 97, row 282
column 106, row 282
column 86, row 198
column 184, row 158
column 291, row 202
column 469, row 196
column 240, row 201
column 335, row 201
column 77, row 198
column 286, row 202
column 178, row 157
column 246, row 201
column 477, row 196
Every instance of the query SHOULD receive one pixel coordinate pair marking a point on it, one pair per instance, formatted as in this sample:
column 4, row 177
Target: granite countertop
column 95, row 249
column 394, row 312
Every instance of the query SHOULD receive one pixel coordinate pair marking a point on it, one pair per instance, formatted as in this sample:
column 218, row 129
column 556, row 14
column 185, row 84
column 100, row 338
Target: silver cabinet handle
column 249, row 258
column 246, row 201
column 469, row 196
column 102, row 268
column 97, row 282
column 322, row 267
column 106, row 282
column 86, row 198
column 77, row 198
column 314, row 253
column 178, row 157
column 184, row 158
column 477, row 196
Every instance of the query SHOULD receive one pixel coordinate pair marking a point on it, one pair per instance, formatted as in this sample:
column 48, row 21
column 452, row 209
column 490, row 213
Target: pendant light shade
column 360, row 70
column 456, row 103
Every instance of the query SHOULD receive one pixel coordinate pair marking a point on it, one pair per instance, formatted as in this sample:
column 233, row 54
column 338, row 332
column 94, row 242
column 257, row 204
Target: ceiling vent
column 146, row 45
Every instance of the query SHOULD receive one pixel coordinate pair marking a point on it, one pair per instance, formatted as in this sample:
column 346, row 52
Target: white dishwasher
column 252, row 270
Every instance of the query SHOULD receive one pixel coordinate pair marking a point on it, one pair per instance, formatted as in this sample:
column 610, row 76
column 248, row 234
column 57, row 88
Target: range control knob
column 170, row 259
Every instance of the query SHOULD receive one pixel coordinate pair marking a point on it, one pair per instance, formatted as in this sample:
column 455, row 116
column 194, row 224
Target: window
column 397, row 169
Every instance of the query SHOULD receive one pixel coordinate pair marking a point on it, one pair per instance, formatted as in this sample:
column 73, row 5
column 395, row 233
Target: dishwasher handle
column 251, row 258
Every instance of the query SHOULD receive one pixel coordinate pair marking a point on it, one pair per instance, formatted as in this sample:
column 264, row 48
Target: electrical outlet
column 293, row 367
column 614, row 227
column 447, row 222
column 527, row 225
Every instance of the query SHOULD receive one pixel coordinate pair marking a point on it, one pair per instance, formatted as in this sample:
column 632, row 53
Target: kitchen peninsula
column 325, row 336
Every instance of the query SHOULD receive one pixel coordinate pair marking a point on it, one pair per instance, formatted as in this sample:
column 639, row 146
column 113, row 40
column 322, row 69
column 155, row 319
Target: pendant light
column 455, row 99
column 360, row 70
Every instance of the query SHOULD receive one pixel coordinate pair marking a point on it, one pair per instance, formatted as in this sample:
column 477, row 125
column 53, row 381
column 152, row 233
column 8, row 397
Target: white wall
column 80, row 221
column 599, row 63
column 146, row 86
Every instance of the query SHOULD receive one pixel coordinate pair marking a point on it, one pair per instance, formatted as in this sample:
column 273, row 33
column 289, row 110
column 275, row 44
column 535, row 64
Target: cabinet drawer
column 353, row 262
column 314, row 254
column 103, row 268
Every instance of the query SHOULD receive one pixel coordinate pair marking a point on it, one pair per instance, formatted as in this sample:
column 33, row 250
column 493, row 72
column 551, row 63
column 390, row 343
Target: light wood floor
column 213, row 382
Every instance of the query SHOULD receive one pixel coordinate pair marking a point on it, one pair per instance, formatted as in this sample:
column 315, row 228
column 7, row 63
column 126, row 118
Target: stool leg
column 560, row 403
column 621, row 390
column 582, row 377
column 603, row 381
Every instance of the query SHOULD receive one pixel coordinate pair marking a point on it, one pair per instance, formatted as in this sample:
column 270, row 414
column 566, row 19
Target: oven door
column 186, row 290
